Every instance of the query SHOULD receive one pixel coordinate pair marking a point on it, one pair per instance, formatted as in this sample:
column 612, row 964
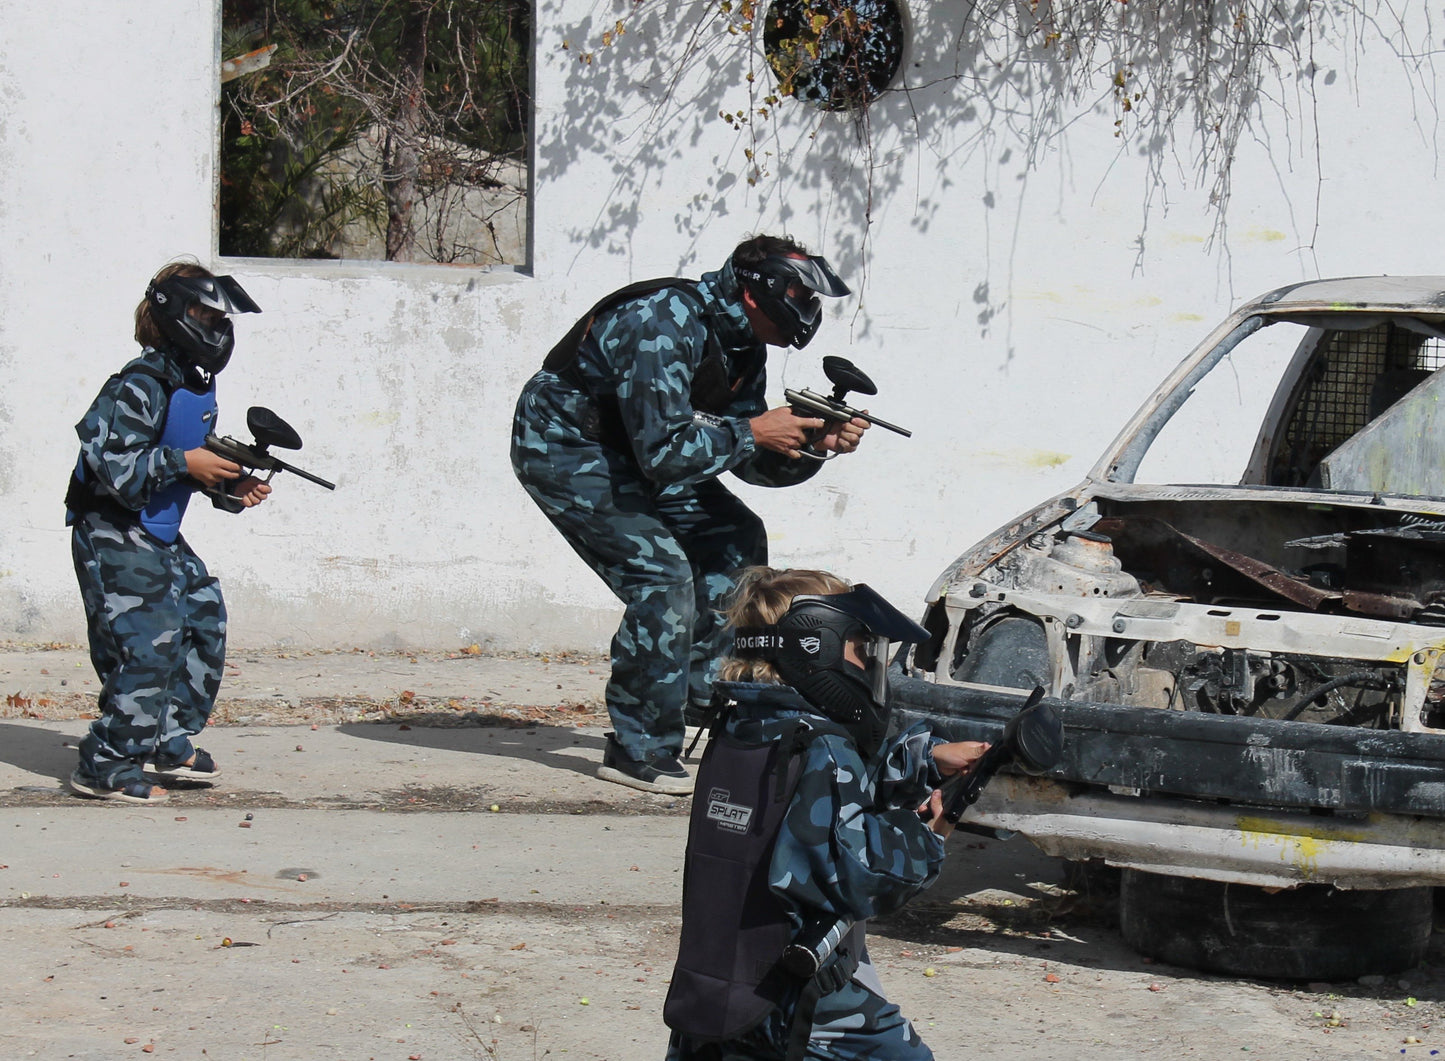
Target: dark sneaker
column 661, row 772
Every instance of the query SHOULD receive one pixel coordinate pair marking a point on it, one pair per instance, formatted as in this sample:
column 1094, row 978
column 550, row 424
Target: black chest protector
column 712, row 391
column 728, row 975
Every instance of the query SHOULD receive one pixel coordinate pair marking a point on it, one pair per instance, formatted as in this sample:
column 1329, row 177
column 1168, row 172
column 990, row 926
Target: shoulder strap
column 564, row 353
column 796, row 740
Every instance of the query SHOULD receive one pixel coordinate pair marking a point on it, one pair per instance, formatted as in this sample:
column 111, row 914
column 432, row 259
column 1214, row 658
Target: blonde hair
column 762, row 597
column 147, row 331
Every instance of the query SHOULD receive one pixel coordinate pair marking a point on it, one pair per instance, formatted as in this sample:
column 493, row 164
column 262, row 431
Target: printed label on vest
column 733, row 817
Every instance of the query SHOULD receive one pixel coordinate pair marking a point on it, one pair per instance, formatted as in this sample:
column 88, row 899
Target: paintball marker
column 269, row 430
column 845, row 376
column 1033, row 739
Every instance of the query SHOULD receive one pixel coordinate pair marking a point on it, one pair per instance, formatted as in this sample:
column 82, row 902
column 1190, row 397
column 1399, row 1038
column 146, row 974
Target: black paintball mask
column 207, row 347
column 796, row 315
column 806, row 647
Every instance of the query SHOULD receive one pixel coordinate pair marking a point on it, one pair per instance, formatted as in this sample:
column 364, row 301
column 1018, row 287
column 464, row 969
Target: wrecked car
column 1240, row 616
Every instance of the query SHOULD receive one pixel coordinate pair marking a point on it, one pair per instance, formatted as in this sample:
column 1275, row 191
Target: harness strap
column 832, row 977
column 711, row 722
column 711, row 389
column 564, row 354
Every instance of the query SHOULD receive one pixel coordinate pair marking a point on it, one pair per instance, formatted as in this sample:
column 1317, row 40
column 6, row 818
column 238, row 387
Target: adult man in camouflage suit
column 156, row 620
column 620, row 440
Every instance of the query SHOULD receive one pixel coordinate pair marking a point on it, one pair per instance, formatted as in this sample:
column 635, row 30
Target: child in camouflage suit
column 156, row 620
column 861, row 834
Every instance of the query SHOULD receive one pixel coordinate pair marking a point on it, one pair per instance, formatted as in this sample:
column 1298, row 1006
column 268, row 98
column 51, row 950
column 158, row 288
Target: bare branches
column 1186, row 82
column 419, row 109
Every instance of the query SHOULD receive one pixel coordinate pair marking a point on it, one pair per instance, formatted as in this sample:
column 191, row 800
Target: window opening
column 1355, row 377
column 375, row 129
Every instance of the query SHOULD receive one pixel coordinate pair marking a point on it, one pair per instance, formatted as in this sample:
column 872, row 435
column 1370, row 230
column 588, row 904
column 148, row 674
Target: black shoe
column 660, row 772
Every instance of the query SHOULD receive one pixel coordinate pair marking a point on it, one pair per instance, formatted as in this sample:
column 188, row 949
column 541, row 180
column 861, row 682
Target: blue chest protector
column 190, row 416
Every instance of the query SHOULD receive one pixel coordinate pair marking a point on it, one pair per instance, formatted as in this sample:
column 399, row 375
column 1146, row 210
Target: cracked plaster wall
column 1003, row 312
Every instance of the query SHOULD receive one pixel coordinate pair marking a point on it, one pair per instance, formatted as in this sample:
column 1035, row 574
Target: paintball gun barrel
column 845, row 376
column 269, row 430
column 1033, row 740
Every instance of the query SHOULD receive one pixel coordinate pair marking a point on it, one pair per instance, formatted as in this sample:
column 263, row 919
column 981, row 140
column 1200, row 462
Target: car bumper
column 1257, row 801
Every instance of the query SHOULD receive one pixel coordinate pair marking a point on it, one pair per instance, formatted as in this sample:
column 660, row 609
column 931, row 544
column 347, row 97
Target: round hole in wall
column 835, row 54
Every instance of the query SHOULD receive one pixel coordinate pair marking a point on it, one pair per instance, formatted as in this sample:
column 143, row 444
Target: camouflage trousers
column 157, row 627
column 851, row 1024
column 670, row 555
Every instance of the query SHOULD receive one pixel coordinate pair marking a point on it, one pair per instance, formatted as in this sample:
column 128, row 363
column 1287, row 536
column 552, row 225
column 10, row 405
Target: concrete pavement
column 414, row 855
column 521, row 798
column 416, row 867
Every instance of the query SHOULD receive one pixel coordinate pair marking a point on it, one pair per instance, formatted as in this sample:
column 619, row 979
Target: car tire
column 1313, row 932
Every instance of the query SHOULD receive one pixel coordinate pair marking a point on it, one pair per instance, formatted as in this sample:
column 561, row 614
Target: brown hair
column 753, row 251
column 763, row 595
column 147, row 332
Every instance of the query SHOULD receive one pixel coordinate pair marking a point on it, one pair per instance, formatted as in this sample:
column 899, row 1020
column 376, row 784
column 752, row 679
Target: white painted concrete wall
column 1006, row 310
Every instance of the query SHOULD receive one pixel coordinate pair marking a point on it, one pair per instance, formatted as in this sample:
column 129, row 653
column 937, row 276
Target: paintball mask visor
column 207, row 345
column 809, row 648
column 875, row 624
column 786, row 289
column 813, row 634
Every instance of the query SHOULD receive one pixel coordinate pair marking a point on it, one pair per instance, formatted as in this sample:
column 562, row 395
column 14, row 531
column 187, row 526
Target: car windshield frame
column 1349, row 304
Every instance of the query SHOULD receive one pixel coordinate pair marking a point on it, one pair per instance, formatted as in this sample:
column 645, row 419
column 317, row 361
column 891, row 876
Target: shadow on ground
column 1007, row 897
column 38, row 750
column 555, row 747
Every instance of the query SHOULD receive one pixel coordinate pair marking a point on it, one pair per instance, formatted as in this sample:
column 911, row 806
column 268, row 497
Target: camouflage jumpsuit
column 648, row 514
column 156, row 620
column 851, row 846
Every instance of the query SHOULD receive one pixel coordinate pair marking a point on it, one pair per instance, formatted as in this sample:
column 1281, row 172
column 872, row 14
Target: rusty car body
column 1239, row 613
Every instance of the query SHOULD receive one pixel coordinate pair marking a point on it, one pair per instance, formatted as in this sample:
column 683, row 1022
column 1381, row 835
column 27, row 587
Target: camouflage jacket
column 120, row 434
column 851, row 844
column 644, row 353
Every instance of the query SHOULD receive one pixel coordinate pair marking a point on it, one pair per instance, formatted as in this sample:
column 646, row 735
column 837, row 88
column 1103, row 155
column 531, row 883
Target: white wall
column 1005, row 310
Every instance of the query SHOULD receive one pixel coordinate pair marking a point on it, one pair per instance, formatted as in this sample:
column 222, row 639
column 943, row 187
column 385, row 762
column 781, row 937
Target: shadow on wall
column 994, row 85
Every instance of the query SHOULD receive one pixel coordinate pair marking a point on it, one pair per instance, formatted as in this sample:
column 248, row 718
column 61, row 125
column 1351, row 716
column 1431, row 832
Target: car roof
column 1356, row 294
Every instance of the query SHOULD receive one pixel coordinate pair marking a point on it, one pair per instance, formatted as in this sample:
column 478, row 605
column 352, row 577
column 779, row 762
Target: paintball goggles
column 268, row 429
column 845, row 376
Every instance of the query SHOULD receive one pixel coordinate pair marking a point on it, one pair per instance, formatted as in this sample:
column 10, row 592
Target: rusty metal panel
column 1246, row 761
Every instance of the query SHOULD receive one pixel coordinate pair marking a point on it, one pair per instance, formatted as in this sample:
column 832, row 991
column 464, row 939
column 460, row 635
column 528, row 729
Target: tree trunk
column 401, row 154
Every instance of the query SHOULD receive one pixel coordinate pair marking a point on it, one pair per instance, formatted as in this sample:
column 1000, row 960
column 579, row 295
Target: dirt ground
column 267, row 688
column 180, row 951
column 988, row 977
